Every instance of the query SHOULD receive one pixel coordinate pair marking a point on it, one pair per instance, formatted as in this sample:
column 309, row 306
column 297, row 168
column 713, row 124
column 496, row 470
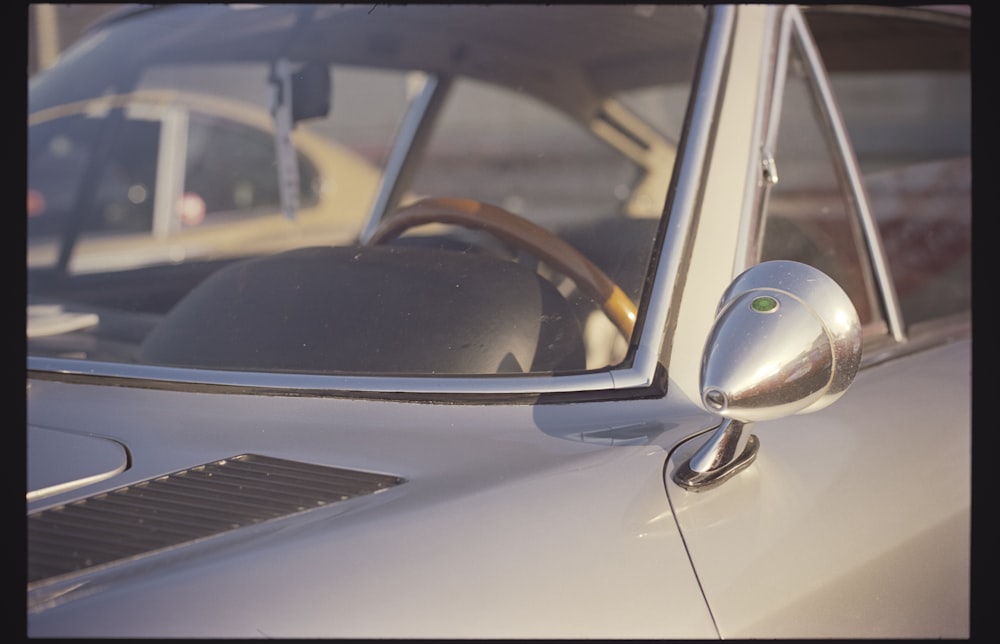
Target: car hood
column 61, row 461
column 456, row 520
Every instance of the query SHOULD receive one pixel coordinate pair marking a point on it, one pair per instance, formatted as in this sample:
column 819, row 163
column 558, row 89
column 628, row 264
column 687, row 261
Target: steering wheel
column 507, row 226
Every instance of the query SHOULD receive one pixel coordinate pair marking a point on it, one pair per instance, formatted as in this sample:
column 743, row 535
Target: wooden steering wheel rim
column 524, row 234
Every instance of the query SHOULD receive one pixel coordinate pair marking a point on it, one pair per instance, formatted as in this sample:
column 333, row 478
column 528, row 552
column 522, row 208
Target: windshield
column 385, row 190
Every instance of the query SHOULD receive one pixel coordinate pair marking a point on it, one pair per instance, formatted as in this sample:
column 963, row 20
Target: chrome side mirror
column 786, row 340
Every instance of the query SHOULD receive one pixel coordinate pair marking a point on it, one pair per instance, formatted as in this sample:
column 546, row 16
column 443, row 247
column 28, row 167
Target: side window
column 903, row 86
column 809, row 217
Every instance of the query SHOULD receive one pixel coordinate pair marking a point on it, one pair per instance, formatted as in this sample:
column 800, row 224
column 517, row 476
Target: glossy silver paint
column 442, row 553
column 822, row 507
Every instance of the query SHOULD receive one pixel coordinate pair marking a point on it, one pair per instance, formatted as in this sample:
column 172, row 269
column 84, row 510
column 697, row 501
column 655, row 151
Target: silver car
column 656, row 323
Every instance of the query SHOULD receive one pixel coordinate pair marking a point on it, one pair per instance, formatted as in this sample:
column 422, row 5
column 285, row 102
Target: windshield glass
column 385, row 190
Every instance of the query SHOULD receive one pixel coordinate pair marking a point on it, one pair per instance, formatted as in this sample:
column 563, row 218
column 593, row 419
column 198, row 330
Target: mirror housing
column 786, row 340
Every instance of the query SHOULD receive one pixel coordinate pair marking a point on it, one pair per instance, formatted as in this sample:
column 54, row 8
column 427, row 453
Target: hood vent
column 184, row 506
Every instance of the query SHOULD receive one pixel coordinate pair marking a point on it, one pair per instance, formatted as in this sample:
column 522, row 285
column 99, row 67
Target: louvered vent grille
column 184, row 506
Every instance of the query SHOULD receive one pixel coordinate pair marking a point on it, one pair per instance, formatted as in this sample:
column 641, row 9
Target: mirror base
column 694, row 481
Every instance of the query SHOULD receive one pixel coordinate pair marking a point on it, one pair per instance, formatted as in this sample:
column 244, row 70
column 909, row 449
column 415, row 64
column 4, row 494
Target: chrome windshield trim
column 464, row 384
column 687, row 194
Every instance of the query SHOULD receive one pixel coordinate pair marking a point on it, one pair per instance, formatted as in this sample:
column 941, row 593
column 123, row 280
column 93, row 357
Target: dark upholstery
column 388, row 310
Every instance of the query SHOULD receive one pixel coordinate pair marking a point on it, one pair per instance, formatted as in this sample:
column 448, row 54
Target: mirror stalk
column 731, row 449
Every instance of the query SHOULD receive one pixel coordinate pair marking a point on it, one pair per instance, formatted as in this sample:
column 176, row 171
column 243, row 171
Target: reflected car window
column 230, row 167
column 59, row 153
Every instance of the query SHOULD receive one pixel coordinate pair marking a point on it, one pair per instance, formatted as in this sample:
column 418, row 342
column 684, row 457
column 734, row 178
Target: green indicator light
column 764, row 304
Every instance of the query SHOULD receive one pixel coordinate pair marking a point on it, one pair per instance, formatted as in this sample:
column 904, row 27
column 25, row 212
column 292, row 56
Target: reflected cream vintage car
column 189, row 176
column 655, row 323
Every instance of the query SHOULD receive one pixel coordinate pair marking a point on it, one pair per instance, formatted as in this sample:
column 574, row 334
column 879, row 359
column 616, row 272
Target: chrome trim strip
column 472, row 384
column 52, row 490
column 924, row 336
column 845, row 151
column 681, row 219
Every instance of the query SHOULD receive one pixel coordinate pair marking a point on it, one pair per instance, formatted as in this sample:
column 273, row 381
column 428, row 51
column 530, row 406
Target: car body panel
column 576, row 496
column 59, row 461
column 847, row 478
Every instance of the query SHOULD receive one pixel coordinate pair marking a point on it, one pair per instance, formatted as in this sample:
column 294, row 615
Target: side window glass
column 908, row 115
column 808, row 216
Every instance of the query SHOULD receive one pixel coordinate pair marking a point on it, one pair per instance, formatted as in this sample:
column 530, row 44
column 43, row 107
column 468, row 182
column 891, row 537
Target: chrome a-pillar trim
column 690, row 172
column 730, row 450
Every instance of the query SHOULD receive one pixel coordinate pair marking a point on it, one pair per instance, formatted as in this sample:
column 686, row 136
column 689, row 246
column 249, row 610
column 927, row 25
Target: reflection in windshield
column 184, row 213
column 59, row 151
